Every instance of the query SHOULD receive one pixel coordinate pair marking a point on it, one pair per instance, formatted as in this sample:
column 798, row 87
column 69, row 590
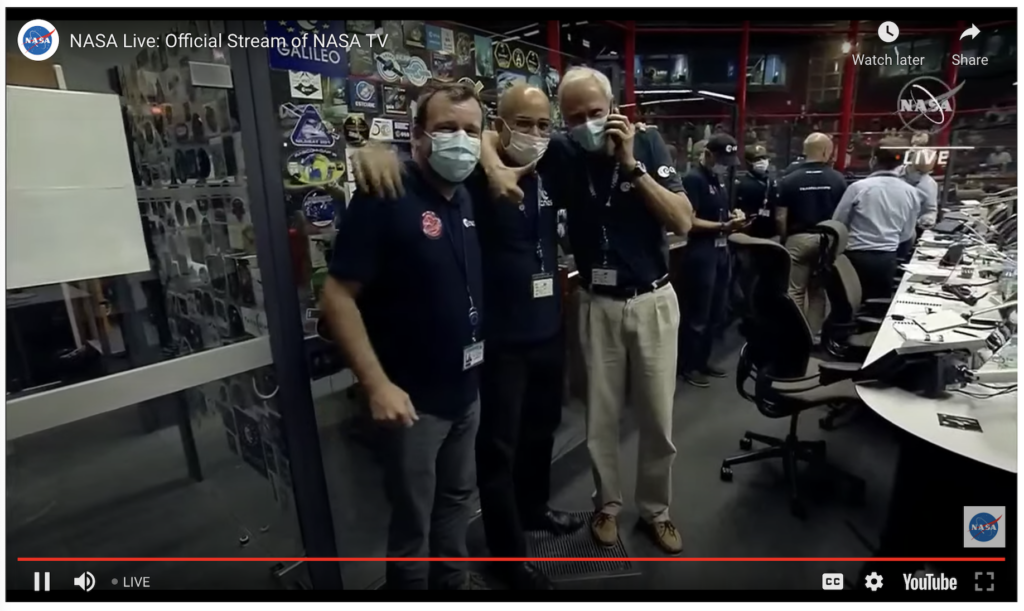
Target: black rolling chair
column 852, row 322
column 776, row 360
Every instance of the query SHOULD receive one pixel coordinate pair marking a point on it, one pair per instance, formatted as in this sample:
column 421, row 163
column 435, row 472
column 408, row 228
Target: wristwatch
column 637, row 172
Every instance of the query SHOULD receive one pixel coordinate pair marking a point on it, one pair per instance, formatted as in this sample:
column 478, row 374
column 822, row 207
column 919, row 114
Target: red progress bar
column 511, row 559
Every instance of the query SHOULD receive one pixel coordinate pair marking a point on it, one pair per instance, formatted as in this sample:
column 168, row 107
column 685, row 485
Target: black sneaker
column 523, row 576
column 713, row 372
column 696, row 378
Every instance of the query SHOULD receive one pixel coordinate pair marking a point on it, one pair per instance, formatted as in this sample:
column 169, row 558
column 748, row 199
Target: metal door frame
column 261, row 149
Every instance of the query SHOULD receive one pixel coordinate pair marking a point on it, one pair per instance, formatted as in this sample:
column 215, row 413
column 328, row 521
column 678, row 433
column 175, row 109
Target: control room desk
column 996, row 445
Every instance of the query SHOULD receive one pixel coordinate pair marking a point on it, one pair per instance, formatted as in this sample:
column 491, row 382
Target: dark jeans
column 429, row 477
column 521, row 406
column 705, row 295
column 876, row 270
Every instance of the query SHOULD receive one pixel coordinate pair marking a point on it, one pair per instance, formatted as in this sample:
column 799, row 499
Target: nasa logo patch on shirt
column 665, row 171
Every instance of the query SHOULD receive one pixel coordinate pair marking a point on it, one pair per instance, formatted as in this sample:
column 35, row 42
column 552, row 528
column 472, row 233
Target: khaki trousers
column 631, row 344
column 809, row 297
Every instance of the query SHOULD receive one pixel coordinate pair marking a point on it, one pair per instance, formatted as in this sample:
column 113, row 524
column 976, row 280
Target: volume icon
column 86, row 581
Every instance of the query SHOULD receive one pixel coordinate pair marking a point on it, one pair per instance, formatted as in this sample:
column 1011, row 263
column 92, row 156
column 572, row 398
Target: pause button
column 42, row 582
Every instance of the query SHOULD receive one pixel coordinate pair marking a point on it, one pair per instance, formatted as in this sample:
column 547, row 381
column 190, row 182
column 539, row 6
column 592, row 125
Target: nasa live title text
column 215, row 41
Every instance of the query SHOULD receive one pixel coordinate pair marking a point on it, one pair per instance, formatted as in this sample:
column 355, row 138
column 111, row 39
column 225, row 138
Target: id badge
column 604, row 277
column 764, row 212
column 543, row 285
column 721, row 241
column 472, row 355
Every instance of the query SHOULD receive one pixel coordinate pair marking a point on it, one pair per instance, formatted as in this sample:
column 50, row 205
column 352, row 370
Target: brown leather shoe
column 665, row 535
column 605, row 528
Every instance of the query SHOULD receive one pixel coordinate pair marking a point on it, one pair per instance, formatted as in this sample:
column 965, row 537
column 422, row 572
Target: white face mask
column 524, row 149
column 453, row 155
column 590, row 135
column 761, row 165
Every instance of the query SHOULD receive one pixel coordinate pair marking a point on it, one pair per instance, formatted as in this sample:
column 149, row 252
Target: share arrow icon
column 972, row 31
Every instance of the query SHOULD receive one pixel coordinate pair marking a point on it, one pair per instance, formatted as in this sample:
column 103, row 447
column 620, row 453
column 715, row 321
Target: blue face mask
column 453, row 155
column 590, row 135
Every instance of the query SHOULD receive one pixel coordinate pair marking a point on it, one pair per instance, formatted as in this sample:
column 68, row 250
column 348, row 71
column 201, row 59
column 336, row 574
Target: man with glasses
column 622, row 193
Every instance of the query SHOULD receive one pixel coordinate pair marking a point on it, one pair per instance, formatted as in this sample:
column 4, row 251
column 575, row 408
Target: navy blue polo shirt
column 638, row 250
column 710, row 202
column 810, row 193
column 412, row 256
column 509, row 239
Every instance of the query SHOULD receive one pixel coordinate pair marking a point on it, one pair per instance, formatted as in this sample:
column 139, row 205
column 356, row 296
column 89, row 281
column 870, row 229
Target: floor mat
column 580, row 544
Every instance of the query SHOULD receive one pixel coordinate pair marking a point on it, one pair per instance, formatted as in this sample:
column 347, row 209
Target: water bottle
column 1008, row 279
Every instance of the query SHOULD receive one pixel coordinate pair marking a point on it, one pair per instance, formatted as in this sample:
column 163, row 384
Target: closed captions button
column 832, row 581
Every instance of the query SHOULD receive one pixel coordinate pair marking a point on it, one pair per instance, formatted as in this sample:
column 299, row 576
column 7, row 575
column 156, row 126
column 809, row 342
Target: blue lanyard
column 473, row 313
column 537, row 227
column 605, row 242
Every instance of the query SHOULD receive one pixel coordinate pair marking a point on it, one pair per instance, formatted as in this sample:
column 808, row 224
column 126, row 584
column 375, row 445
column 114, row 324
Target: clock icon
column 888, row 31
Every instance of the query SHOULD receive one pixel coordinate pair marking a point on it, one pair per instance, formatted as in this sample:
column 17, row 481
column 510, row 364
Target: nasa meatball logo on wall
column 38, row 40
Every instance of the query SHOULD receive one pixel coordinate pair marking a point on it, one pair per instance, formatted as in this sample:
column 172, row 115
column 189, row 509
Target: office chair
column 776, row 359
column 852, row 322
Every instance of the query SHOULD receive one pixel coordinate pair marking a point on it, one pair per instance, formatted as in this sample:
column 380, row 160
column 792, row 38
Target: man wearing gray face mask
column 622, row 193
column 404, row 303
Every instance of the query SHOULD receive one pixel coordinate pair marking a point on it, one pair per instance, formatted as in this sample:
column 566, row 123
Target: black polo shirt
column 756, row 196
column 810, row 193
column 710, row 203
column 412, row 256
column 509, row 239
column 638, row 250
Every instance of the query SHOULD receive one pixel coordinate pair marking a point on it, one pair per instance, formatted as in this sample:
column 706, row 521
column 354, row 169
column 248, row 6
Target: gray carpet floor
column 98, row 488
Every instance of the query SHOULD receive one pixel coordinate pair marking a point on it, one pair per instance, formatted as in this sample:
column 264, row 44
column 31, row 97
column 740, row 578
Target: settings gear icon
column 873, row 581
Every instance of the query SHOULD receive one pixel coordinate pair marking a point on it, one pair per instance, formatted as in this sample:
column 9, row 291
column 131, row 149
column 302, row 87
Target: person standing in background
column 808, row 195
column 881, row 212
column 706, row 265
column 757, row 194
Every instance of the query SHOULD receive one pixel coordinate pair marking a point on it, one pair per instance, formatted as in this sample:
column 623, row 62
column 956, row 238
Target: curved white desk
column 996, row 445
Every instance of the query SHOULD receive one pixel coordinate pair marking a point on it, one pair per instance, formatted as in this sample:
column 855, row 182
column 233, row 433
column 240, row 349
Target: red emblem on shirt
column 431, row 225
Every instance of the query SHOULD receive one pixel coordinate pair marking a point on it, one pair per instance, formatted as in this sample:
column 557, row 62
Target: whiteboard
column 71, row 211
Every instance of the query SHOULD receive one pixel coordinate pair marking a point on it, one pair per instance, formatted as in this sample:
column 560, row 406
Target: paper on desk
column 910, row 304
column 924, row 269
column 911, row 332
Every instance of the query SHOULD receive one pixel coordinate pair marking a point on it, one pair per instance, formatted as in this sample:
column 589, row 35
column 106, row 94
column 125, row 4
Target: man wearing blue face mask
column 522, row 377
column 622, row 192
column 404, row 302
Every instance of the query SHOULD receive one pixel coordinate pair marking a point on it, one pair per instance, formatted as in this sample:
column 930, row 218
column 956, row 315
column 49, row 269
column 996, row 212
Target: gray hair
column 582, row 73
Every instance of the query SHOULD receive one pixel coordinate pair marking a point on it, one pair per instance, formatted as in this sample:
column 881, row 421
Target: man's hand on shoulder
column 378, row 171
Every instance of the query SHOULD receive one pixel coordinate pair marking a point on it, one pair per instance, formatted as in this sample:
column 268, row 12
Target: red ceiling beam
column 956, row 46
column 740, row 129
column 555, row 45
column 847, row 95
column 629, row 70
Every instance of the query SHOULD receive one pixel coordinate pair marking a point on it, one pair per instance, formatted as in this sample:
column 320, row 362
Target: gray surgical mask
column 590, row 135
column 761, row 165
column 453, row 155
